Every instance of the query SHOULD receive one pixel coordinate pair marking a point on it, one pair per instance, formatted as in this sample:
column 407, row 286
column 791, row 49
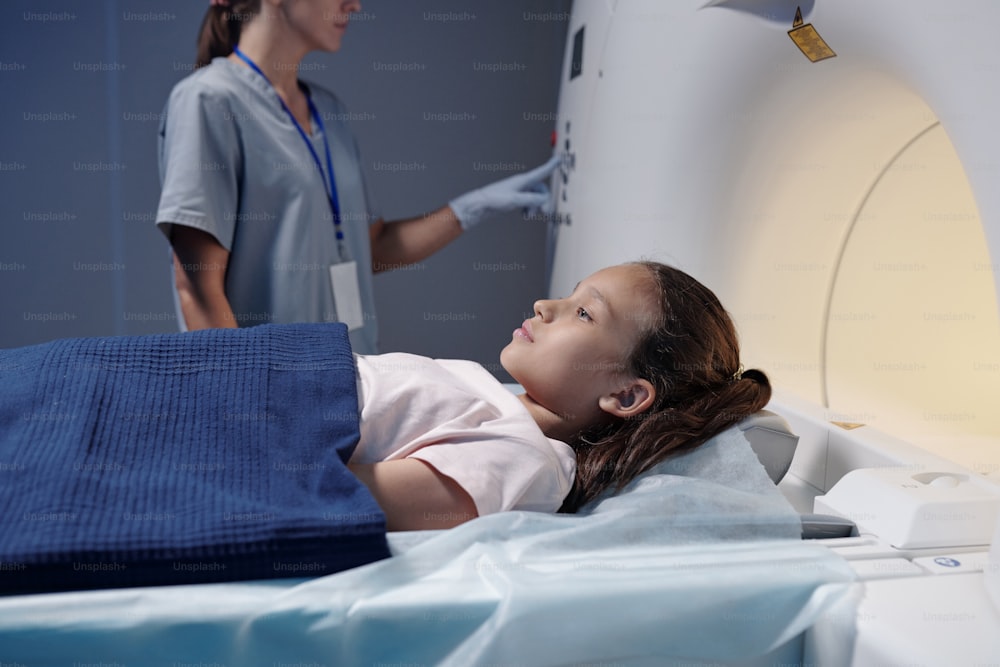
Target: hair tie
column 738, row 375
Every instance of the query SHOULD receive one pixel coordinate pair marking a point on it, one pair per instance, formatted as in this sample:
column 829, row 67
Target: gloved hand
column 527, row 190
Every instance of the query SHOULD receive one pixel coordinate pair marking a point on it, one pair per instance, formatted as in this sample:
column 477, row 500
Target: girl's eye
column 582, row 312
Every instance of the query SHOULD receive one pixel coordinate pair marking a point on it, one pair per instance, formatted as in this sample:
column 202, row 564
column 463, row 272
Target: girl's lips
column 525, row 332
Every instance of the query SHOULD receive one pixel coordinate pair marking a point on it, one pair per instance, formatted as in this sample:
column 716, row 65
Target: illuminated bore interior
column 866, row 282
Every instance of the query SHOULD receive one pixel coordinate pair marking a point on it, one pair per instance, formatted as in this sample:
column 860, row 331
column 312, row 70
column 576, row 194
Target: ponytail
column 691, row 357
column 220, row 29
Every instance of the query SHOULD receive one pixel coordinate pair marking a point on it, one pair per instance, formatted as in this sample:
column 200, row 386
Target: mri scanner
column 830, row 170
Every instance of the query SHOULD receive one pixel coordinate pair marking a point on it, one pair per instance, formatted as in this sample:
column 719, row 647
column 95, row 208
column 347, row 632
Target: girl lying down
column 638, row 364
column 232, row 454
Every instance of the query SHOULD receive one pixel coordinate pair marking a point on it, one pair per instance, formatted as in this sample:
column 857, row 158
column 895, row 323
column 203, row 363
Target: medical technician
column 263, row 196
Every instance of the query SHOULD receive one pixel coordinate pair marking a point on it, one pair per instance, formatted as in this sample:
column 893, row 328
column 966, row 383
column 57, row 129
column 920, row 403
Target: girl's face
column 575, row 350
column 320, row 23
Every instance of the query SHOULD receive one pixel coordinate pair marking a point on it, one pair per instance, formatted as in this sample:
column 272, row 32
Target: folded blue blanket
column 181, row 458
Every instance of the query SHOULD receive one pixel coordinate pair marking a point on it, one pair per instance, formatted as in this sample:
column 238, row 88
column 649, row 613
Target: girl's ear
column 633, row 399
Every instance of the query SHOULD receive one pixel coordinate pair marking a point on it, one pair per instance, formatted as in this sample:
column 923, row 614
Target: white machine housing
column 846, row 212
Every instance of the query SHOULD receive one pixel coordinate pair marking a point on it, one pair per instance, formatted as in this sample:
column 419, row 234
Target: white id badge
column 347, row 294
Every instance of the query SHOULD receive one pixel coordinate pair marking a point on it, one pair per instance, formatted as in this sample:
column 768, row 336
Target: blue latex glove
column 527, row 190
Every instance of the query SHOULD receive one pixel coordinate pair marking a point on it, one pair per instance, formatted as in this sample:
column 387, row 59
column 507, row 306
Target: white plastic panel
column 913, row 337
column 713, row 144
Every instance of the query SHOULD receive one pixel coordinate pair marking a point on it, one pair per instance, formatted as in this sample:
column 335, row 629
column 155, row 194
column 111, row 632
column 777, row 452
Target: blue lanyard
column 331, row 185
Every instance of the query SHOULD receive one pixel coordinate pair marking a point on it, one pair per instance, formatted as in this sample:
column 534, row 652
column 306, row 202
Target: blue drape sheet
column 178, row 458
column 698, row 562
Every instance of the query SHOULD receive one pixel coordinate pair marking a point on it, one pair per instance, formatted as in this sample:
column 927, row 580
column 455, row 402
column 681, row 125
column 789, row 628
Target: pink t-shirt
column 457, row 417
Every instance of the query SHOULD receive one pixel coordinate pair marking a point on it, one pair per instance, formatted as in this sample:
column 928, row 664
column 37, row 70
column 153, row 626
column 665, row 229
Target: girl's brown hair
column 691, row 355
column 220, row 29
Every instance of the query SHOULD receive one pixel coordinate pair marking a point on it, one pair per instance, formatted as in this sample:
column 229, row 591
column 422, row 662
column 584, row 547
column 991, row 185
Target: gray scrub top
column 232, row 164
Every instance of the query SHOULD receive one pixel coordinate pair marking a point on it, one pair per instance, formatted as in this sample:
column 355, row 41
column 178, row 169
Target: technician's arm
column 415, row 496
column 399, row 243
column 200, row 276
column 403, row 242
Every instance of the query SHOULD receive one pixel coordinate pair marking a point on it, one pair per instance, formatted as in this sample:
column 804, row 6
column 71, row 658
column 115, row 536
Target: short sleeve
column 200, row 163
column 455, row 416
column 505, row 474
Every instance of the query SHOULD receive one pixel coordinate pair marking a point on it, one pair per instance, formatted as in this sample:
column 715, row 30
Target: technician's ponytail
column 220, row 29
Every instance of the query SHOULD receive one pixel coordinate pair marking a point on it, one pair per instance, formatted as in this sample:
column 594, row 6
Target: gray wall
column 82, row 84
